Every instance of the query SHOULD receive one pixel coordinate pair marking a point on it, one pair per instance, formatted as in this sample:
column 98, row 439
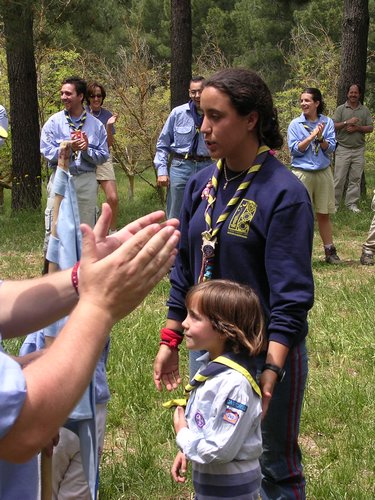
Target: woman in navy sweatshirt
column 247, row 218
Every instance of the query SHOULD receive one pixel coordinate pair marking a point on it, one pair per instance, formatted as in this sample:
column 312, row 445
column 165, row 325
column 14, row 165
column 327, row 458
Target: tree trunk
column 181, row 51
column 355, row 28
column 26, row 164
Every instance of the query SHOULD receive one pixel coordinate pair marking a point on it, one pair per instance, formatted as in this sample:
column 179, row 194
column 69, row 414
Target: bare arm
column 29, row 305
column 166, row 363
column 110, row 288
column 363, row 129
column 276, row 355
column 109, row 128
column 318, row 130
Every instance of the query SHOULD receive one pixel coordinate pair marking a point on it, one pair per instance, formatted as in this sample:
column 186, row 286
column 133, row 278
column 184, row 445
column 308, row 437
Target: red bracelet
column 75, row 277
column 171, row 338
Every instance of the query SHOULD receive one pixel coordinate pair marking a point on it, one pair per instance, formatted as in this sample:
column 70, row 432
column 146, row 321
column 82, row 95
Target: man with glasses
column 181, row 146
column 89, row 149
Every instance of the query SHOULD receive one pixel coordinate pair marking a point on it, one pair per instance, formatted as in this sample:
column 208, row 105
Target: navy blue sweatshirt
column 266, row 243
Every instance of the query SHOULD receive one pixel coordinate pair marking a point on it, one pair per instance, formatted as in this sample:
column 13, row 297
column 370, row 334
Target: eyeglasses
column 92, row 96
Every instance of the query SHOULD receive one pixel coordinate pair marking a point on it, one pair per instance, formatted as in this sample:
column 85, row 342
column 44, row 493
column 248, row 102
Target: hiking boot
column 331, row 255
column 367, row 259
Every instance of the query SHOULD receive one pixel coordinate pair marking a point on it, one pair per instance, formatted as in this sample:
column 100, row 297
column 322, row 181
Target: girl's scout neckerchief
column 237, row 362
column 209, row 237
column 315, row 148
column 75, row 127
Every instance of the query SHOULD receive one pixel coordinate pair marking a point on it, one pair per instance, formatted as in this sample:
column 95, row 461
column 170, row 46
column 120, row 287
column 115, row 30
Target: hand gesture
column 163, row 181
column 80, row 141
column 112, row 120
column 179, row 468
column 179, row 420
column 268, row 380
column 318, row 130
column 116, row 284
column 107, row 244
column 166, row 369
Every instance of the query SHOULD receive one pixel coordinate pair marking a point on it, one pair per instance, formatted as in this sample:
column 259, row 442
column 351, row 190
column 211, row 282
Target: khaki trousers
column 349, row 163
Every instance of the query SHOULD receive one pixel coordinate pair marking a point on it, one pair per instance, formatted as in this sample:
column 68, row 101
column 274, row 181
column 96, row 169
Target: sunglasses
column 92, row 96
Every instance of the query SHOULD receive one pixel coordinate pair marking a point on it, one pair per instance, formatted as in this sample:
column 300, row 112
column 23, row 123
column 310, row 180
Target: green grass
column 337, row 428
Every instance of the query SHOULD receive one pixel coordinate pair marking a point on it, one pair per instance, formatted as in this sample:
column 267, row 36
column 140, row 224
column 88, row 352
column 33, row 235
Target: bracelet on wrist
column 75, row 277
column 276, row 369
column 171, row 338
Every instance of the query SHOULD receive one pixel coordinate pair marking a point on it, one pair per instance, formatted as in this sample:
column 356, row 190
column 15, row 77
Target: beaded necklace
column 210, row 236
column 97, row 114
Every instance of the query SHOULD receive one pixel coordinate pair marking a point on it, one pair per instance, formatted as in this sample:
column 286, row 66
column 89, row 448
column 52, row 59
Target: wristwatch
column 280, row 371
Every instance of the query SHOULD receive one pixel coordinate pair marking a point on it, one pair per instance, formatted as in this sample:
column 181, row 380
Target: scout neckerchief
column 198, row 120
column 75, row 127
column 315, row 148
column 239, row 362
column 209, row 237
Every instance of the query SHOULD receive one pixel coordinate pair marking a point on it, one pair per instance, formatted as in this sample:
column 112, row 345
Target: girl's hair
column 234, row 311
column 248, row 92
column 91, row 89
column 316, row 96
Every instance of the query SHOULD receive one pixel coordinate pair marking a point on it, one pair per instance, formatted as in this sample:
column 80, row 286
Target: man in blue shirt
column 89, row 149
column 182, row 142
column 4, row 124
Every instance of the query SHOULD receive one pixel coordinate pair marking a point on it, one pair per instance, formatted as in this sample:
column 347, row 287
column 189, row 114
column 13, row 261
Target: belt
column 186, row 156
column 75, row 172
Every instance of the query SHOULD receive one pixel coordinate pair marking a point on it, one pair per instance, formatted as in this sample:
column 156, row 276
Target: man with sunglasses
column 181, row 147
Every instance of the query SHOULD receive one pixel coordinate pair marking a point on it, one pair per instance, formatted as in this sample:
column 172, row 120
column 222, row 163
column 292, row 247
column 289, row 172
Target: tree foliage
column 135, row 90
column 291, row 43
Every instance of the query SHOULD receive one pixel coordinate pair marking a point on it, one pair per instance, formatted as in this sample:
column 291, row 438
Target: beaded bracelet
column 74, row 277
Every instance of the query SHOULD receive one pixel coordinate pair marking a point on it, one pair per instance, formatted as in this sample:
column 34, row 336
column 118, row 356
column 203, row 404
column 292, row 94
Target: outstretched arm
column 29, row 305
column 110, row 288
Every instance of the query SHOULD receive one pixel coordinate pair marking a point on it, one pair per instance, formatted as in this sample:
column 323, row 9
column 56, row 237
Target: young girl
column 220, row 431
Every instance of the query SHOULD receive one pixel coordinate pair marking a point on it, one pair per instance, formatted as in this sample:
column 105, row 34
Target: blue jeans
column 281, row 465
column 179, row 173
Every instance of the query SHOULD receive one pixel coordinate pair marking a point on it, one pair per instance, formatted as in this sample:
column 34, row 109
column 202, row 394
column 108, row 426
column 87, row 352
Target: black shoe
column 331, row 255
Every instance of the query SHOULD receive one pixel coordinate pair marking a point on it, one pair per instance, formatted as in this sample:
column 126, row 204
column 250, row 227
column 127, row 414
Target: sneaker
column 367, row 259
column 331, row 255
column 354, row 209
